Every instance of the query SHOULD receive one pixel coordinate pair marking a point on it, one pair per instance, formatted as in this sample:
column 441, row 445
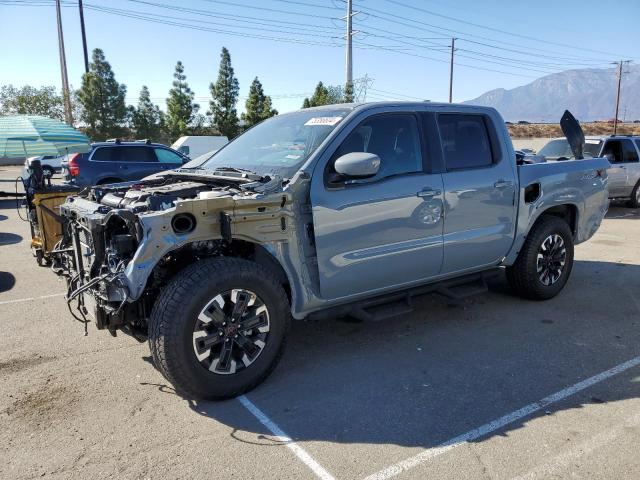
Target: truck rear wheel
column 219, row 328
column 545, row 261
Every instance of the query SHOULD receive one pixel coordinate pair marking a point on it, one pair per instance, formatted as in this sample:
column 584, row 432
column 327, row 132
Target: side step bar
column 396, row 304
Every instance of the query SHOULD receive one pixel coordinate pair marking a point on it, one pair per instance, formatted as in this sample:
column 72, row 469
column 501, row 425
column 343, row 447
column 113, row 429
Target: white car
column 50, row 164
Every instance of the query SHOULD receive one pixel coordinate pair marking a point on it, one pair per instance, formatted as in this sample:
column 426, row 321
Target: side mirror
column 358, row 165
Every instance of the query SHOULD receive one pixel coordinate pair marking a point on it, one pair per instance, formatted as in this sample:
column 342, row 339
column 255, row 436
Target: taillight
column 73, row 165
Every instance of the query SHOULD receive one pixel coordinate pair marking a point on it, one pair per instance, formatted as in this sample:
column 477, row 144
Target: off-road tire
column 523, row 276
column 175, row 313
column 634, row 201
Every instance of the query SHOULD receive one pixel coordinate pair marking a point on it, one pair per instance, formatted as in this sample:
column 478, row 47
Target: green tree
column 224, row 95
column 180, row 107
column 324, row 96
column 258, row 105
column 146, row 118
column 102, row 99
column 348, row 92
column 30, row 100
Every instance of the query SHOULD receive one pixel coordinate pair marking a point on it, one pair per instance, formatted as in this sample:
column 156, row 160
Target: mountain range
column 589, row 93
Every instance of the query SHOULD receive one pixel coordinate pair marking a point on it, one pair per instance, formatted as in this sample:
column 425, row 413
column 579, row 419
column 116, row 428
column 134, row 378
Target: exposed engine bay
column 123, row 242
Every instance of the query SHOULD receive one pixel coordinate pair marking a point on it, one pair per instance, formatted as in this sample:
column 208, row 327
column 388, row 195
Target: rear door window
column 465, row 141
column 629, row 153
column 134, row 154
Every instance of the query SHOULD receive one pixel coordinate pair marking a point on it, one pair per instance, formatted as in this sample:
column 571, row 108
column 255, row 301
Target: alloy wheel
column 231, row 331
column 551, row 259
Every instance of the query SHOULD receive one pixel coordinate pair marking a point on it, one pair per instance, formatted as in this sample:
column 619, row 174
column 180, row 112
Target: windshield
column 279, row 145
column 561, row 148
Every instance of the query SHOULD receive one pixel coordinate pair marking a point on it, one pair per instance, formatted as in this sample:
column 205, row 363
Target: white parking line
column 28, row 299
column 497, row 424
column 283, row 437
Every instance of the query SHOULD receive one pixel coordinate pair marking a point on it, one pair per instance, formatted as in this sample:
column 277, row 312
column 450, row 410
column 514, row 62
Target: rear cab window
column 466, row 142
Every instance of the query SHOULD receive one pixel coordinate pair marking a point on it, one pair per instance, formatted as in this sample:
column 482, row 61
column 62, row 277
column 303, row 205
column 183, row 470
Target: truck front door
column 384, row 231
column 479, row 185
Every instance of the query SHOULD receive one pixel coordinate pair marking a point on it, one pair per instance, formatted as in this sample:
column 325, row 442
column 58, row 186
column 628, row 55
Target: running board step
column 456, row 293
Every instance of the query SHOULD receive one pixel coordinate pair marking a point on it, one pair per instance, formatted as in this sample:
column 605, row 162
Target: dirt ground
column 497, row 388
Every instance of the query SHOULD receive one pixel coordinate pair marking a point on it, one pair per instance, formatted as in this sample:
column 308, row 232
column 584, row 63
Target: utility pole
column 349, row 47
column 84, row 38
column 453, row 49
column 63, row 69
column 615, row 120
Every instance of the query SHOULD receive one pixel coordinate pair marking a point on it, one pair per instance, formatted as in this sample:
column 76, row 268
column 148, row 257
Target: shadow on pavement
column 425, row 378
column 619, row 211
column 7, row 281
column 9, row 238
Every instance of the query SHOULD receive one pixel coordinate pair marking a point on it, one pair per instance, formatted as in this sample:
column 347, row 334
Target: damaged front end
column 122, row 243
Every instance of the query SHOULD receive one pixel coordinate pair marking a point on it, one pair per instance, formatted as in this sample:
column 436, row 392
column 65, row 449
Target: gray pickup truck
column 329, row 211
column 623, row 153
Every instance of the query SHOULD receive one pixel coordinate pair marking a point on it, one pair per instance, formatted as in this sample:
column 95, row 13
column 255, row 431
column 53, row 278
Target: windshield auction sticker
column 330, row 121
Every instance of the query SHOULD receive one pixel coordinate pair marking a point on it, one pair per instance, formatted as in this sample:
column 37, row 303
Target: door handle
column 428, row 193
column 502, row 184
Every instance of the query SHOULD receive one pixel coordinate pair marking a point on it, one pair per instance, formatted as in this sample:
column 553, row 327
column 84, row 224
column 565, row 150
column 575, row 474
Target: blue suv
column 116, row 161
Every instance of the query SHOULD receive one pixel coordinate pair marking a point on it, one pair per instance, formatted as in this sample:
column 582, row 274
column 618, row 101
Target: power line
column 493, row 29
column 400, row 20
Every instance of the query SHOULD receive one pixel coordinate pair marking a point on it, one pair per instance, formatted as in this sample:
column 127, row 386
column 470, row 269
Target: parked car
column 622, row 151
column 335, row 210
column 116, row 161
column 194, row 146
column 50, row 164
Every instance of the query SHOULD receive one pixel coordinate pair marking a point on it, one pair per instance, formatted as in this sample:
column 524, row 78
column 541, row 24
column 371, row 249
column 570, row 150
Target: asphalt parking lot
column 497, row 387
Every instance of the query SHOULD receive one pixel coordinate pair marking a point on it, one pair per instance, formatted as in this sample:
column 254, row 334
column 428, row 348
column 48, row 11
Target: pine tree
column 225, row 96
column 324, row 96
column 102, row 99
column 146, row 118
column 258, row 105
column 180, row 107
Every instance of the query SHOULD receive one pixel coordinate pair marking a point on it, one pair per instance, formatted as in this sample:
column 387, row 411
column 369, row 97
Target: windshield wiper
column 234, row 169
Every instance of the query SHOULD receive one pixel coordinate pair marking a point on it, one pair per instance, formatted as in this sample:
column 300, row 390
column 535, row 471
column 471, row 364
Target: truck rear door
column 385, row 231
column 479, row 185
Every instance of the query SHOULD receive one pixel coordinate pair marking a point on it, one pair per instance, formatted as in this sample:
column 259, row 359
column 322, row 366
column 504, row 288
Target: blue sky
column 400, row 44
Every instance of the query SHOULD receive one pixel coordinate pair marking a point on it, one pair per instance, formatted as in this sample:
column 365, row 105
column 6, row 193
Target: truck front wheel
column 545, row 261
column 219, row 328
